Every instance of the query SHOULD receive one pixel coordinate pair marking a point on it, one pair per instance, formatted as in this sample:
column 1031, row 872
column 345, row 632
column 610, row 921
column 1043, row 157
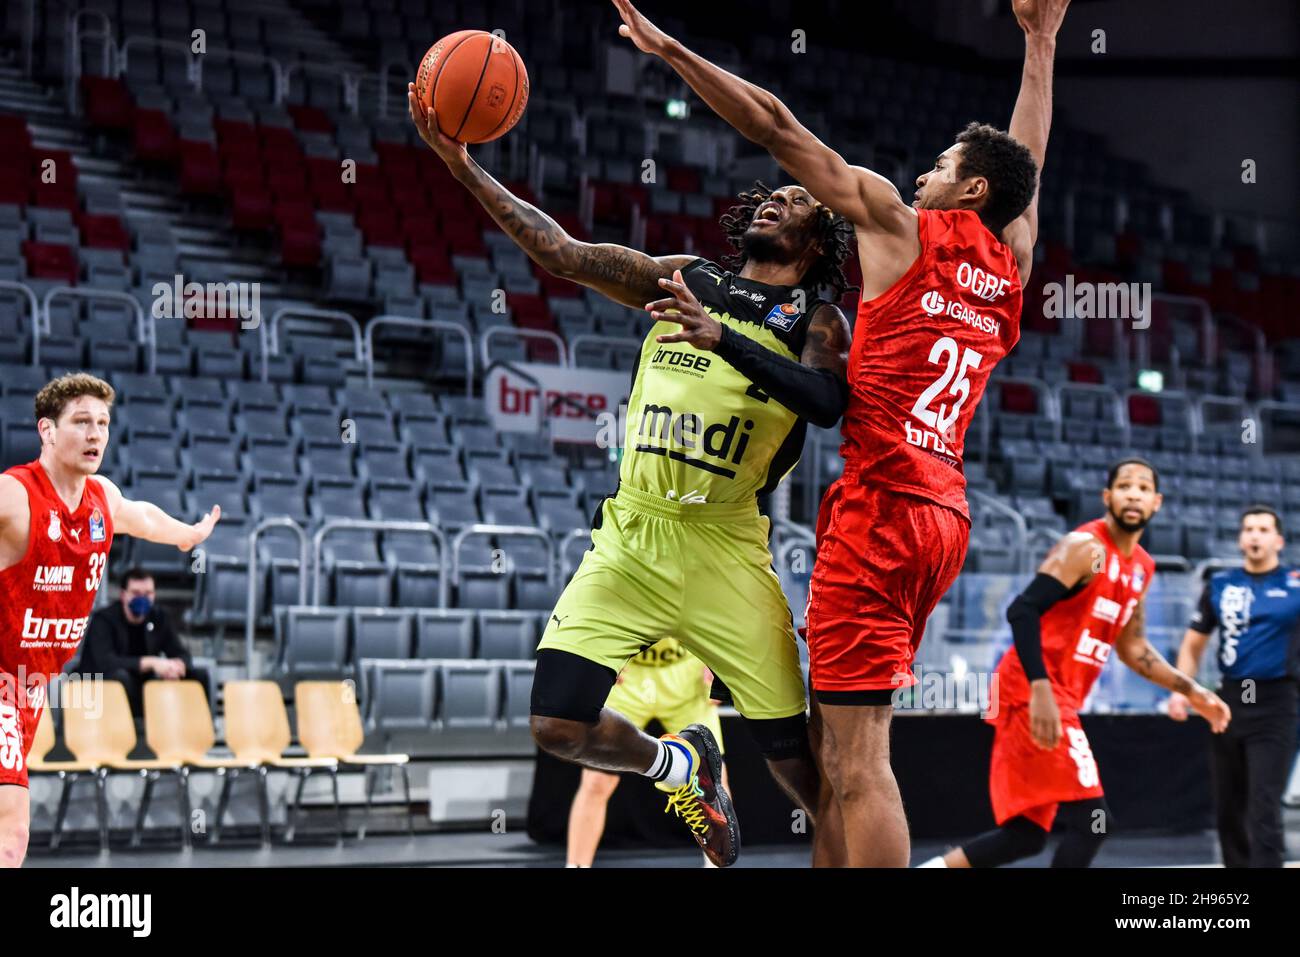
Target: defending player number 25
column 947, row 349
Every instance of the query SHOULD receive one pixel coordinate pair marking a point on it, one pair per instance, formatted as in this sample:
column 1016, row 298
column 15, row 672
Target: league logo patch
column 55, row 532
column 1139, row 576
column 96, row 526
column 782, row 317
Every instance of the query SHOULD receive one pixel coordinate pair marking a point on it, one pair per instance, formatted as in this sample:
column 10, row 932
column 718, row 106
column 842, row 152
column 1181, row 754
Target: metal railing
column 1017, row 521
column 350, row 83
column 146, row 332
column 269, row 339
column 250, row 623
column 378, row 525
column 192, row 68
column 432, row 324
column 486, row 336
column 584, row 337
column 33, row 307
column 72, row 55
column 1269, row 405
column 562, row 550
column 510, row 531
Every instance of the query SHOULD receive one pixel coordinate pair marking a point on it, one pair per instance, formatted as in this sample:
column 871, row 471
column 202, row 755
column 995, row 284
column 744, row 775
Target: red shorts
column 19, row 714
column 884, row 559
column 1026, row 781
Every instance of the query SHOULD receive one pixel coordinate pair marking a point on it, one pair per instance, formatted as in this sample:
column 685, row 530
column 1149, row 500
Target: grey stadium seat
column 471, row 694
column 444, row 633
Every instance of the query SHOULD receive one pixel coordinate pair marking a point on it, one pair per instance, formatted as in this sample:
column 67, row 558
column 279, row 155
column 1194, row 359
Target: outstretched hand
column 453, row 152
column 647, row 37
column 200, row 530
column 699, row 328
column 1040, row 17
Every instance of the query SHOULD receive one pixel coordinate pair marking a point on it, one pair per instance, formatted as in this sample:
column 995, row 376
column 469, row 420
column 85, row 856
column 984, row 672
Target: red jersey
column 922, row 354
column 1079, row 631
column 45, row 599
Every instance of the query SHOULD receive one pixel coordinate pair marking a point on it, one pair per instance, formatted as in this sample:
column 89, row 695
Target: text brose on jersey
column 46, row 599
column 923, row 352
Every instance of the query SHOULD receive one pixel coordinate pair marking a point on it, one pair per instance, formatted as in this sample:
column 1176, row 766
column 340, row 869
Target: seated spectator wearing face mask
column 133, row 642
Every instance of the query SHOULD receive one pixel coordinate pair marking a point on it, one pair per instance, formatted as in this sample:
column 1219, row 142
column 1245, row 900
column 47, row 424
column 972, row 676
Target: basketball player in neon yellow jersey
column 738, row 358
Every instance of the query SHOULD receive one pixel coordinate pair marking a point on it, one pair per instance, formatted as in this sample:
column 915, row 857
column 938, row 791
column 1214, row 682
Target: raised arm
column 1031, row 120
column 625, row 275
column 866, row 199
column 146, row 520
column 1136, row 651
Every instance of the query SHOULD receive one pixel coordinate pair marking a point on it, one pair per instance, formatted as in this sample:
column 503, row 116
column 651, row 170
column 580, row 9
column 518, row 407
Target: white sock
column 672, row 765
column 934, row 862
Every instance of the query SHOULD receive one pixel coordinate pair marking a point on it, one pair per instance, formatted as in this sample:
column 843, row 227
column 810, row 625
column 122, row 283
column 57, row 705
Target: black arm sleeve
column 1025, row 616
column 817, row 395
column 1206, row 617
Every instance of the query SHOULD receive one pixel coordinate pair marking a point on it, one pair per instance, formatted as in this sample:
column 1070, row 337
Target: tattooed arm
column 1136, row 652
column 625, row 275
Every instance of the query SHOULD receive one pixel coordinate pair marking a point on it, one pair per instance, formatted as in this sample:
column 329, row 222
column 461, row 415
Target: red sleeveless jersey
column 45, row 599
column 922, row 354
column 1078, row 632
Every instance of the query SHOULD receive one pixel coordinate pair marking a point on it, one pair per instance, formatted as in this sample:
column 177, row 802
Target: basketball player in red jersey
column 57, row 520
column 1088, row 597
column 941, row 297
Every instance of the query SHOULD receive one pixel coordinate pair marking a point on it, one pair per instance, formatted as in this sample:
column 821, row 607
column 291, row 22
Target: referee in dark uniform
column 1256, row 610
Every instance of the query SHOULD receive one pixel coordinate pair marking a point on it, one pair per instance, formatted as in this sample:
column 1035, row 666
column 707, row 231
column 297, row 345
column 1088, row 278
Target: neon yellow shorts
column 699, row 573
column 675, row 694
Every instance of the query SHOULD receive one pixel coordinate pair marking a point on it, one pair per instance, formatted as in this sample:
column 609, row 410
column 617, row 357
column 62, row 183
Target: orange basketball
column 477, row 84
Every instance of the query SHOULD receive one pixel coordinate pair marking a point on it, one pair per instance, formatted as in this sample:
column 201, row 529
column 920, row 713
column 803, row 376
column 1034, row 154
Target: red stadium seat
column 1084, row 371
column 1143, row 410
column 108, row 104
column 311, row 119
column 379, row 225
column 153, row 136
column 432, row 265
column 200, row 169
column 1019, row 398
column 250, row 206
column 684, row 179
column 300, row 243
column 14, row 133
column 48, row 261
column 103, row 232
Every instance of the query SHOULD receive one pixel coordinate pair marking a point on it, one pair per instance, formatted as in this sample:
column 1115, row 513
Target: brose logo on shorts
column 11, row 738
column 1081, row 752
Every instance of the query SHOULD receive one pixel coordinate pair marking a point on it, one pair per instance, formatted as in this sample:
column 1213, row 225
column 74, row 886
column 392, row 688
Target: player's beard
column 1129, row 526
column 765, row 247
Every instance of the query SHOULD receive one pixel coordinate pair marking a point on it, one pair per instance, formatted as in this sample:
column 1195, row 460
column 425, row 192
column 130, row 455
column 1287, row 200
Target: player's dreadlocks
column 833, row 232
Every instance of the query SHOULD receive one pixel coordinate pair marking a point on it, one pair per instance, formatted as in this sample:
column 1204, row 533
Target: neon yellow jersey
column 698, row 430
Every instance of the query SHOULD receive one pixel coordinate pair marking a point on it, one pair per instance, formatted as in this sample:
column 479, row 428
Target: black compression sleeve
column 817, row 395
column 1025, row 616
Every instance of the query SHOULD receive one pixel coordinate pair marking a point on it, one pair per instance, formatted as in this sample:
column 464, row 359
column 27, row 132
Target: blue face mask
column 140, row 605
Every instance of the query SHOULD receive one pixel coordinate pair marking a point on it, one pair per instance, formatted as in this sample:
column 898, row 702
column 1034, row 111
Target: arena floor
column 478, row 849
